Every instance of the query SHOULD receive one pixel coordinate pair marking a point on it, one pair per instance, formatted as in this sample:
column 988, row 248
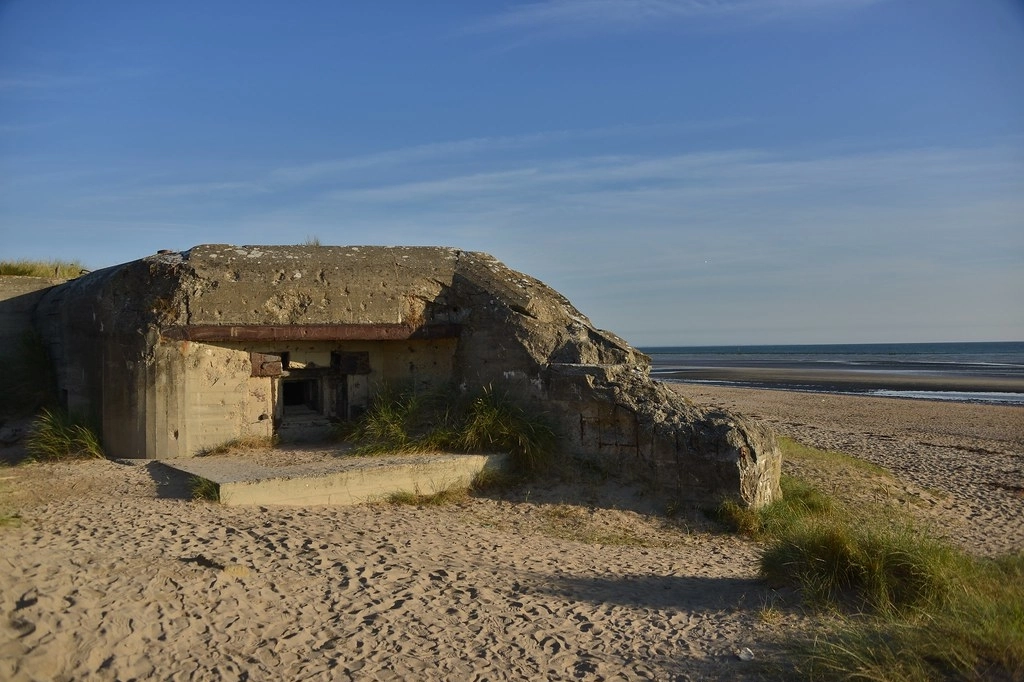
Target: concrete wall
column 18, row 299
column 188, row 397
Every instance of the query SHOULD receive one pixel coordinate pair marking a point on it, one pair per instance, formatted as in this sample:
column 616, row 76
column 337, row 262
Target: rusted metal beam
column 309, row 332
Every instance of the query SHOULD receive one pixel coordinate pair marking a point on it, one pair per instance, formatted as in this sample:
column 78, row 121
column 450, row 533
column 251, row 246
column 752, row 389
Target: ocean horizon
column 979, row 371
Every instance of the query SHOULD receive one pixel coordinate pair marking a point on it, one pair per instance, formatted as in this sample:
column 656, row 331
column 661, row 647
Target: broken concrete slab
column 338, row 481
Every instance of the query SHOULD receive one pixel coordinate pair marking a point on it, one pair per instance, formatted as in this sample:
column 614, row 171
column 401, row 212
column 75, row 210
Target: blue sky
column 685, row 171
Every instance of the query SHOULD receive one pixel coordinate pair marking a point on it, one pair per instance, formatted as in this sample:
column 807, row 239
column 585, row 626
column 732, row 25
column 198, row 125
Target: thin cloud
column 609, row 180
column 625, row 15
column 476, row 146
column 410, row 161
column 419, row 153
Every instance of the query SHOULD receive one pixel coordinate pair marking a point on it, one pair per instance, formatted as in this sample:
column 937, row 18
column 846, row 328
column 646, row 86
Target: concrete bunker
column 177, row 353
column 304, row 378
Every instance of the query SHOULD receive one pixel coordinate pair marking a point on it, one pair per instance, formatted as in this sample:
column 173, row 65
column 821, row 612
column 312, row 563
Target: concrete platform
column 335, row 481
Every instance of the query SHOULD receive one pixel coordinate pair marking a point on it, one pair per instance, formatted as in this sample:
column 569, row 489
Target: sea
column 977, row 372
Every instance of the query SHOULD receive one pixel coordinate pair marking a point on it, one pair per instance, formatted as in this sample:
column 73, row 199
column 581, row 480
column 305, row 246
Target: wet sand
column 846, row 380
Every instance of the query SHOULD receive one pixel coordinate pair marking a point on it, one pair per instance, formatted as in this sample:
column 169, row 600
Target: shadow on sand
column 170, row 483
column 659, row 591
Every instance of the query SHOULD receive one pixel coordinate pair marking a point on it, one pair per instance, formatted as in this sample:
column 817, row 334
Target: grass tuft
column 54, row 437
column 489, row 422
column 881, row 569
column 204, row 489
column 237, row 444
column 977, row 635
column 390, row 423
column 800, row 501
column 494, row 480
column 42, row 268
column 496, row 422
column 906, row 607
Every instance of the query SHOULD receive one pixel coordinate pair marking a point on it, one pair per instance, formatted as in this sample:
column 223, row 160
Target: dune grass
column 794, row 449
column 403, row 421
column 54, row 437
column 800, row 501
column 239, row 444
column 903, row 606
column 204, row 489
column 42, row 268
column 963, row 619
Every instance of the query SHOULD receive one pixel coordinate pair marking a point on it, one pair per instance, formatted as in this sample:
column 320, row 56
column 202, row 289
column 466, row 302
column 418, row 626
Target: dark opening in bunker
column 300, row 395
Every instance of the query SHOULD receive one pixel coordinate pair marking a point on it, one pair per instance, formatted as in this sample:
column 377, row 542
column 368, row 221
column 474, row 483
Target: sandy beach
column 963, row 461
column 110, row 574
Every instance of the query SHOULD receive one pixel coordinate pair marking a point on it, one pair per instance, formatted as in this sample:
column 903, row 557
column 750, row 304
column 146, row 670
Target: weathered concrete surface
column 342, row 481
column 695, row 452
column 419, row 316
column 18, row 299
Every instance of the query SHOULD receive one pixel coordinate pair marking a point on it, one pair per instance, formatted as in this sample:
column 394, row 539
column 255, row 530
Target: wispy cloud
column 748, row 236
column 415, row 154
column 613, row 180
column 451, row 150
column 626, row 15
column 379, row 172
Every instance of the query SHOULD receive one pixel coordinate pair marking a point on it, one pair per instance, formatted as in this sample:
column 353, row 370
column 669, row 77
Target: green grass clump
column 800, row 501
column 55, row 436
column 488, row 422
column 392, row 423
column 977, row 634
column 880, row 568
column 496, row 422
column 905, row 606
column 42, row 268
column 204, row 489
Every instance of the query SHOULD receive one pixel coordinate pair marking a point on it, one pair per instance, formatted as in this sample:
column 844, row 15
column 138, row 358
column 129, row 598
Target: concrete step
column 336, row 481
